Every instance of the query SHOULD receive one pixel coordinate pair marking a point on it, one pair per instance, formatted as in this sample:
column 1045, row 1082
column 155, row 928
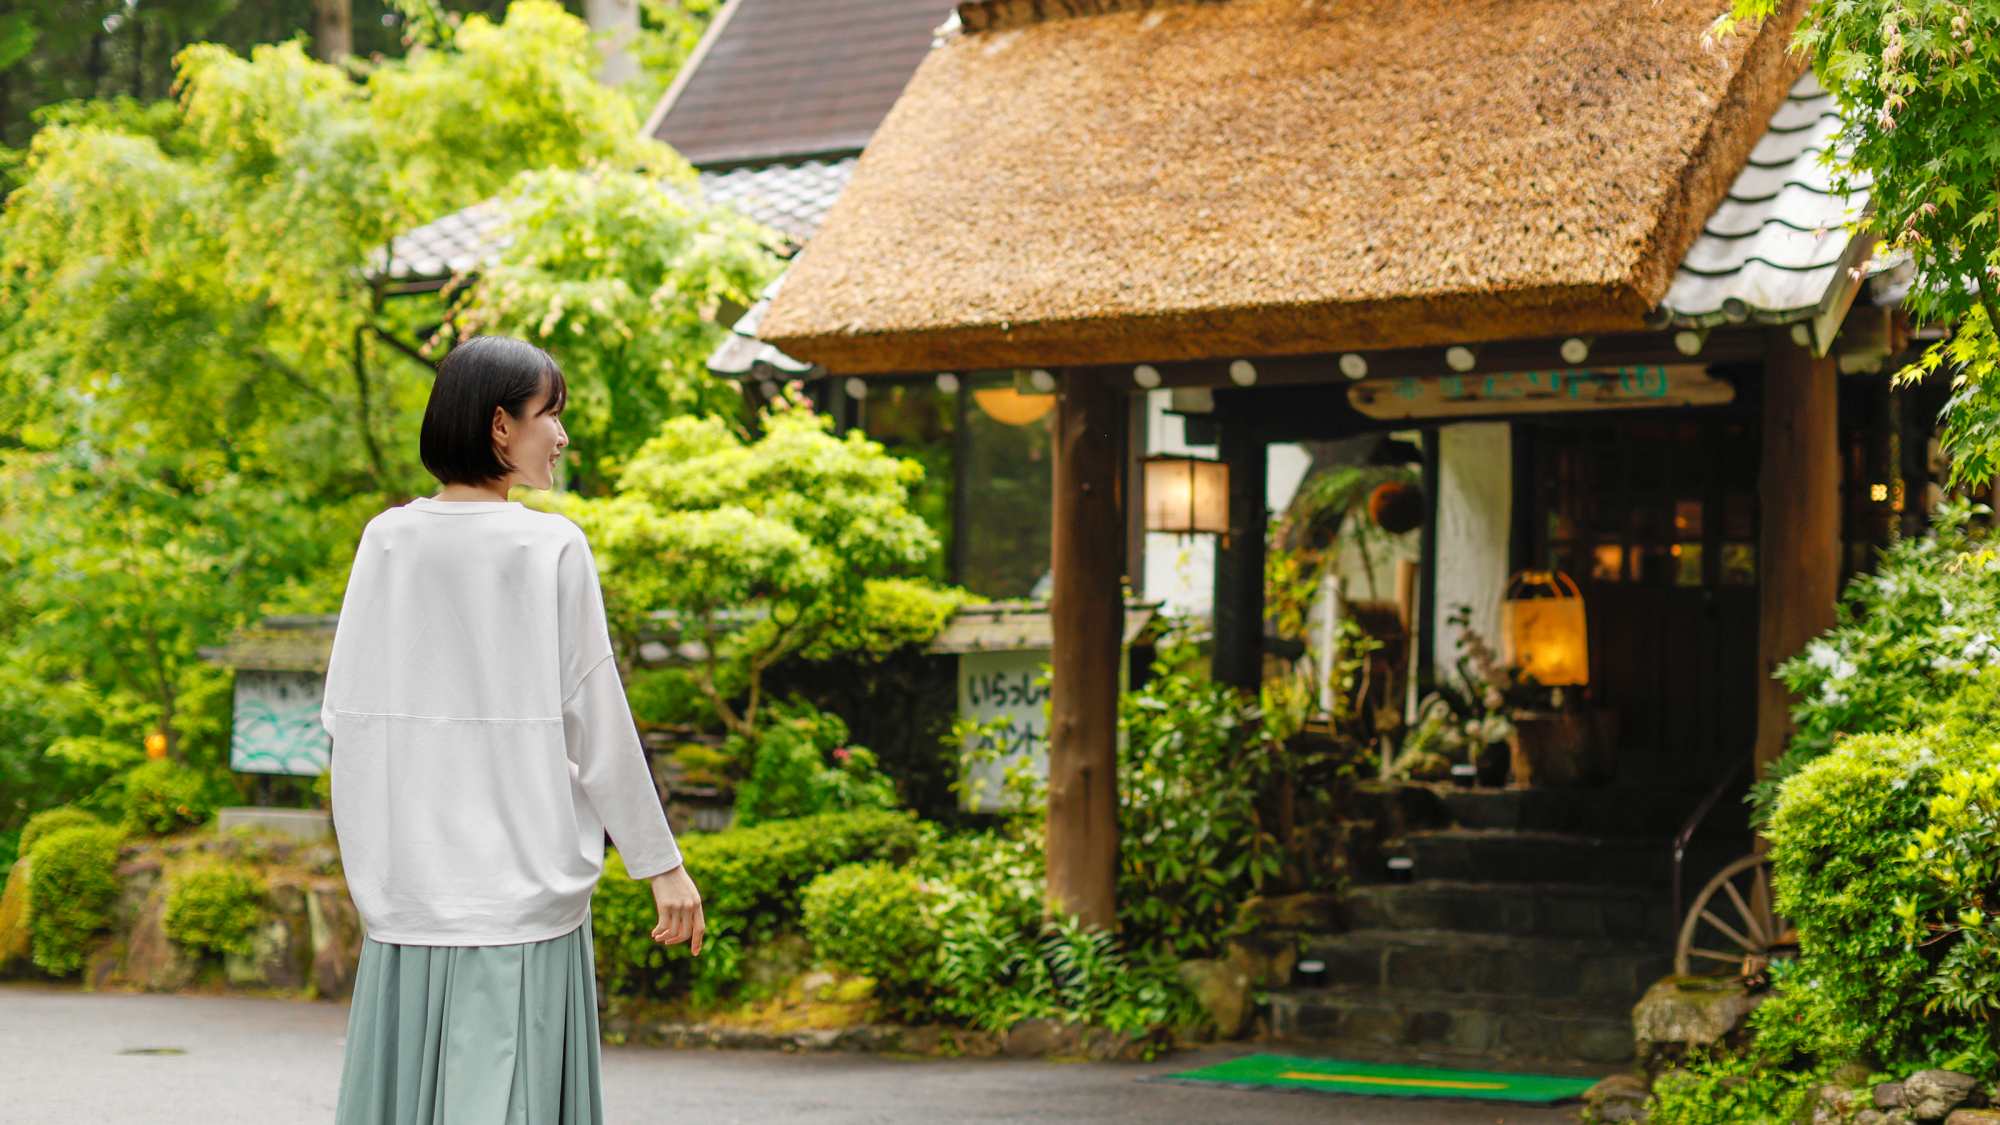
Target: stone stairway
column 1531, row 922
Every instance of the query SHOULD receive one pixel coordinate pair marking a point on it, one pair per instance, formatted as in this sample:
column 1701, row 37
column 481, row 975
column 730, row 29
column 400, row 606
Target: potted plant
column 1472, row 710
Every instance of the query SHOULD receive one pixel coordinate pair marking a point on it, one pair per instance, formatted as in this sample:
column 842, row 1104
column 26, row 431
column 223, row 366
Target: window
column 1649, row 502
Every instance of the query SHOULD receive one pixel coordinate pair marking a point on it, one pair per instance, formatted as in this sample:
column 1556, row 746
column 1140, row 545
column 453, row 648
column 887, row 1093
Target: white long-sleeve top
column 482, row 743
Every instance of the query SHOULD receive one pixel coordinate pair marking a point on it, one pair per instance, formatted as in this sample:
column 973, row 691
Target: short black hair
column 482, row 372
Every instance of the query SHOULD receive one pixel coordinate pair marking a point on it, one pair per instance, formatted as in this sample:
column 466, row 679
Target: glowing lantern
column 1187, row 495
column 1011, row 407
column 1542, row 628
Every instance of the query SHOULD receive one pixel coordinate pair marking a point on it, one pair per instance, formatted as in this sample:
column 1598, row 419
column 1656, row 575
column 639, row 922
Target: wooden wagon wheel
column 1732, row 923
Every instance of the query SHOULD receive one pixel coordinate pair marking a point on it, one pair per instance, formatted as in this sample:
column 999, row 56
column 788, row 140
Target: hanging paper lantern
column 1543, row 630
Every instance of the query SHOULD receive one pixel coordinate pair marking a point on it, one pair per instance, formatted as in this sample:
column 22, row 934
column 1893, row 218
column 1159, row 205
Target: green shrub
column 870, row 918
column 163, row 796
column 1958, row 852
column 998, row 961
column 1733, row 1090
column 73, row 883
column 750, row 880
column 1909, row 638
column 49, row 820
column 1843, row 872
column 1191, row 843
column 802, row 765
column 216, row 909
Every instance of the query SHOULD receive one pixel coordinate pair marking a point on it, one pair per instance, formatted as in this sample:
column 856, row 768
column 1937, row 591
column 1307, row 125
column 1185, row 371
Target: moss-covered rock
column 15, row 940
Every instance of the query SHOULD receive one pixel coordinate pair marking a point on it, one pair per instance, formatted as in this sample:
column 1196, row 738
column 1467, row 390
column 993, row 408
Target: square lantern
column 1187, row 495
column 1543, row 630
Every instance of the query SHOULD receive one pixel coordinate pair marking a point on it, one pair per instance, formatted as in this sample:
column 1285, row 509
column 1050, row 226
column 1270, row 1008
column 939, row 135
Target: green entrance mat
column 1344, row 1076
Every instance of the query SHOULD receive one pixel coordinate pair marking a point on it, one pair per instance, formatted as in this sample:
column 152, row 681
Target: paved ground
column 247, row 1059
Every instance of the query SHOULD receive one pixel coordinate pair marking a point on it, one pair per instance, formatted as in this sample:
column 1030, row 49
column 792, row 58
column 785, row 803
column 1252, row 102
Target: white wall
column 1474, row 513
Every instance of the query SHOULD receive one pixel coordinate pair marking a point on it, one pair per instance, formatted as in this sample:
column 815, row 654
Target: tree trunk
column 613, row 26
column 333, row 29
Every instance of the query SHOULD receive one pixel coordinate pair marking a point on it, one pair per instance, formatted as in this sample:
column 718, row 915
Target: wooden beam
column 1729, row 344
column 1237, row 656
column 1086, row 610
column 1798, row 550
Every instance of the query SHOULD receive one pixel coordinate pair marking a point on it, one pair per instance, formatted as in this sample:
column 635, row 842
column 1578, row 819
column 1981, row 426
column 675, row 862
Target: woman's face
column 532, row 442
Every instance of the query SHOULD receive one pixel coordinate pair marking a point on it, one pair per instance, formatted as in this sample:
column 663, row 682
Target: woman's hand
column 680, row 909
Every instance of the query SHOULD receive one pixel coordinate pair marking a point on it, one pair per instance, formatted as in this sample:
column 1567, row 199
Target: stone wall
column 309, row 943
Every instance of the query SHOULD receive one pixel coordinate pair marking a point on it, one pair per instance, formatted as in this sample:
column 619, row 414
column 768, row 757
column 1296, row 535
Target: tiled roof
column 462, row 240
column 741, row 354
column 790, row 197
column 1775, row 249
column 780, row 79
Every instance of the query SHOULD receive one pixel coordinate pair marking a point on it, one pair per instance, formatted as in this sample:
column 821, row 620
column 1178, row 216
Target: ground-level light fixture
column 1187, row 495
column 1542, row 628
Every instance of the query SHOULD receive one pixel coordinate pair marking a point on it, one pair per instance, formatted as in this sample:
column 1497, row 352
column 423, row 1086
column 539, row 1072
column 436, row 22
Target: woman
column 482, row 747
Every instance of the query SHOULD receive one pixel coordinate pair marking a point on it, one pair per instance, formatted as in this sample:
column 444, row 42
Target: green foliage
column 216, row 909
column 998, row 961
column 1907, row 640
column 1914, row 80
column 801, row 764
column 199, row 412
column 50, row 820
column 890, row 613
column 1957, row 854
column 1192, row 844
column 870, row 918
column 1196, row 761
column 73, row 884
column 1726, row 1089
column 751, row 881
column 1863, row 885
column 758, row 548
column 620, row 273
column 164, row 796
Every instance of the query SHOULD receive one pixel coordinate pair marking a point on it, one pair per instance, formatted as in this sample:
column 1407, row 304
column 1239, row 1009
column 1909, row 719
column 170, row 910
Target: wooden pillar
column 1087, row 616
column 1238, row 653
column 1798, row 548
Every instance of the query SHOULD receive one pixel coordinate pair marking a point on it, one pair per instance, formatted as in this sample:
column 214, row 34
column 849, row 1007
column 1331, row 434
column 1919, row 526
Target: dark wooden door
column 1656, row 519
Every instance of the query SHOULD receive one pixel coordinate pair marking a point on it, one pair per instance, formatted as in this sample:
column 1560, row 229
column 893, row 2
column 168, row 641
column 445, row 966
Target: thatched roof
column 1265, row 177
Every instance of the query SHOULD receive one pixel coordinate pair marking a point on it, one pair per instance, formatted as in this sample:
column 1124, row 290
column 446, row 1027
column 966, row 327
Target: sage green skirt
column 473, row 1035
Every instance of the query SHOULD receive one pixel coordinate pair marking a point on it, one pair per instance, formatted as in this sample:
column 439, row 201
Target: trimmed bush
column 217, row 910
column 870, row 918
column 163, row 796
column 48, row 820
column 751, row 880
column 73, row 883
column 1840, row 835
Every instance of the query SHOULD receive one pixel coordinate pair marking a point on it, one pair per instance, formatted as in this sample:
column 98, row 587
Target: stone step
column 1500, row 855
column 1471, row 1026
column 1558, row 910
column 1614, row 811
column 1612, row 975
column 1490, row 855
column 1609, row 812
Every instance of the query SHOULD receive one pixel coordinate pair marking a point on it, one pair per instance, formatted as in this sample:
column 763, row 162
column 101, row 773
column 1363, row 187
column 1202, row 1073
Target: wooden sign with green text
column 1539, row 392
